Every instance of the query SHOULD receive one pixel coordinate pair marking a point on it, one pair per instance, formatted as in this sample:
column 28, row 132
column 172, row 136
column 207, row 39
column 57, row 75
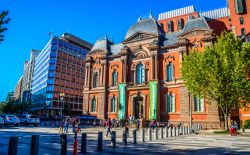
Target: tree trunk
column 226, row 121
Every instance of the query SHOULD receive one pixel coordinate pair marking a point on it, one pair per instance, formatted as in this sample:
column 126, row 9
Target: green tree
column 3, row 21
column 220, row 73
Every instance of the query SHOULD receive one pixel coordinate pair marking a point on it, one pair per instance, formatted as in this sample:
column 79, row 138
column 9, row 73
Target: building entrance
column 138, row 107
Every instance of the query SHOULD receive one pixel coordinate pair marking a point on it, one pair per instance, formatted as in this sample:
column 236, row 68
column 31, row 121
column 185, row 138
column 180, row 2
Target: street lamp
column 61, row 96
column 190, row 112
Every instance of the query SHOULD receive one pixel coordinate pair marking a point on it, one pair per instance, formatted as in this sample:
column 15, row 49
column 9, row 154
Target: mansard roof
column 107, row 45
column 196, row 23
column 170, row 38
column 215, row 14
column 149, row 25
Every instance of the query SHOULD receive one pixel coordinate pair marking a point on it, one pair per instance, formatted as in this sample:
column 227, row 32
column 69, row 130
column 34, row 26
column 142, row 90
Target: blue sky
column 32, row 20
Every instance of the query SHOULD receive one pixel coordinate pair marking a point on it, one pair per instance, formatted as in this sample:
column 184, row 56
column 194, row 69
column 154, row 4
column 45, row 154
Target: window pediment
column 139, row 36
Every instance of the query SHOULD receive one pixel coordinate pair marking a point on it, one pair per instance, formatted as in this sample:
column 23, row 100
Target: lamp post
column 61, row 96
column 190, row 112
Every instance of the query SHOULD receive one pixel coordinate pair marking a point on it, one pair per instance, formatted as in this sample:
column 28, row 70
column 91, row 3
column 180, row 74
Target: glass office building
column 59, row 69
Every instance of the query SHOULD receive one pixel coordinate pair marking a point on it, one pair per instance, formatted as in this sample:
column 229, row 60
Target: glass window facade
column 59, row 68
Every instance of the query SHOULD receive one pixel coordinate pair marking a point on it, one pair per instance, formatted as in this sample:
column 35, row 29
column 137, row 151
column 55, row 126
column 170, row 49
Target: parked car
column 1, row 122
column 10, row 119
column 28, row 119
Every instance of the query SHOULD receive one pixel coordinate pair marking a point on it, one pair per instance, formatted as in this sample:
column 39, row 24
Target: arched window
column 198, row 104
column 114, row 78
column 170, row 103
column 95, row 79
column 140, row 73
column 171, row 26
column 180, row 23
column 170, row 72
column 93, row 105
column 113, row 104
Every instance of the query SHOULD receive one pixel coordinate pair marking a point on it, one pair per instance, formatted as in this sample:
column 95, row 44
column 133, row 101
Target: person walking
column 61, row 126
column 108, row 125
column 73, row 125
column 67, row 122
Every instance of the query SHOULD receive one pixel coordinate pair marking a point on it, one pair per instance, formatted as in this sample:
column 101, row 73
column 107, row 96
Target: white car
column 1, row 122
column 10, row 120
column 28, row 119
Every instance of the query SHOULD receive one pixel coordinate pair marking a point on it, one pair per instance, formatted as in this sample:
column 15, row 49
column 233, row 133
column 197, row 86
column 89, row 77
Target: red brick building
column 141, row 75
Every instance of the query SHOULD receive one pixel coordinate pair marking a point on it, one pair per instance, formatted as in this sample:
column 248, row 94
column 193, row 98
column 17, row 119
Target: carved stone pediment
column 195, row 32
column 139, row 54
column 94, row 52
column 139, row 36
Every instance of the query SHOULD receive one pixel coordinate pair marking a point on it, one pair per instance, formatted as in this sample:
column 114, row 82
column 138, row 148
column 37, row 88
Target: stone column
column 104, row 72
column 156, row 66
column 88, row 85
column 101, row 75
column 122, row 71
column 153, row 67
column 86, row 74
column 125, row 70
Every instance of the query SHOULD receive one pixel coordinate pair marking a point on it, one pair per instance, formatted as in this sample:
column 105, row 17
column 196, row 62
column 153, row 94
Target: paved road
column 186, row 144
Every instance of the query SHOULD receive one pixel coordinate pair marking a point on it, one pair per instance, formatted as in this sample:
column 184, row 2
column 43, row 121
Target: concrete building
column 18, row 89
column 57, row 85
column 141, row 75
column 28, row 74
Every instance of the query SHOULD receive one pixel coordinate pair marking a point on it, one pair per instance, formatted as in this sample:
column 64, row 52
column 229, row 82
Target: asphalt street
column 186, row 144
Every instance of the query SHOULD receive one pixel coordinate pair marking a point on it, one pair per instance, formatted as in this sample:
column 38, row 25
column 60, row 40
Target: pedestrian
column 66, row 124
column 126, row 129
column 108, row 125
column 61, row 128
column 94, row 123
column 100, row 124
column 104, row 123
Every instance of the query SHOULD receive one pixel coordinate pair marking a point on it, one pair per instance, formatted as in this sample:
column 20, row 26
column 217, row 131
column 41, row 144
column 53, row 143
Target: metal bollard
column 156, row 134
column 124, row 138
column 161, row 133
column 134, row 141
column 149, row 134
column 178, row 131
column 12, row 149
column 143, row 135
column 63, row 138
column 166, row 130
column 84, row 143
column 175, row 131
column 171, row 132
column 113, row 139
column 100, row 141
column 34, row 149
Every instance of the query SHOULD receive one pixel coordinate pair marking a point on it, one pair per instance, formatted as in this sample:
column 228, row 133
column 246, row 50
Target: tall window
column 114, row 78
column 93, row 105
column 239, row 6
column 198, row 104
column 170, row 26
column 241, row 20
column 95, row 79
column 170, row 72
column 140, row 73
column 170, row 103
column 113, row 104
column 180, row 23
